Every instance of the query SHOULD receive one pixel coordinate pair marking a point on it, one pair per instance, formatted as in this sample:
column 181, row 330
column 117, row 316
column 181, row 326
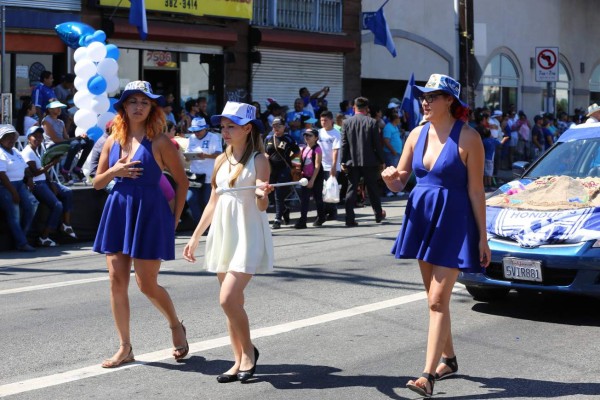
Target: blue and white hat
column 439, row 82
column 34, row 129
column 239, row 113
column 142, row 87
column 198, row 124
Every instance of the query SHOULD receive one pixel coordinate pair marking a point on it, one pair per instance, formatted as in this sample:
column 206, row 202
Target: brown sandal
column 422, row 390
column 185, row 349
column 109, row 363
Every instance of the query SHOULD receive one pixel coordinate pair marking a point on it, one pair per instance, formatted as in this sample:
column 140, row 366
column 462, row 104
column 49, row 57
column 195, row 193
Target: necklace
column 229, row 161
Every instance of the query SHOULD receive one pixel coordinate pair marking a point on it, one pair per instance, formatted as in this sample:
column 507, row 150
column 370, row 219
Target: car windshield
column 576, row 158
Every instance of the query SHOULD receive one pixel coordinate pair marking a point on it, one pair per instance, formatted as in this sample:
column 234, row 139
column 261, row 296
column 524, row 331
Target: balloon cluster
column 96, row 75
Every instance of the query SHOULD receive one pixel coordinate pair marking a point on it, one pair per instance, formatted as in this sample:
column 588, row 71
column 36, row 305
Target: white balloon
column 112, row 84
column 85, row 119
column 100, row 104
column 79, row 131
column 96, row 51
column 105, row 118
column 80, row 54
column 108, row 67
column 83, row 99
column 80, row 83
column 85, row 69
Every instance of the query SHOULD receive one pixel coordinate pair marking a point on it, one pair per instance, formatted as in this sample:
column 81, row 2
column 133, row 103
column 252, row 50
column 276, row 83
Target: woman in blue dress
column 137, row 225
column 444, row 222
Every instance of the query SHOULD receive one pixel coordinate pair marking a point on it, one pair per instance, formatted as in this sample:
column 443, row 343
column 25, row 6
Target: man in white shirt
column 203, row 148
column 330, row 142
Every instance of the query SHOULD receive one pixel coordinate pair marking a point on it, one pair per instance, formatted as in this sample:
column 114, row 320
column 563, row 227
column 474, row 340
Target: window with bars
column 304, row 15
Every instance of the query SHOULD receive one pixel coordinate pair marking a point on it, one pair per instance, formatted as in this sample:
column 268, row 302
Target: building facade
column 504, row 36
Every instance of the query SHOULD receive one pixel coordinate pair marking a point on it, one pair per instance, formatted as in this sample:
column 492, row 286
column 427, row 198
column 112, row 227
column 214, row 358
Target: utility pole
column 466, row 52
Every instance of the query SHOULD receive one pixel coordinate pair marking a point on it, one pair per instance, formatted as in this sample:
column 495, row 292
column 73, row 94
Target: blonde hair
column 253, row 144
column 155, row 124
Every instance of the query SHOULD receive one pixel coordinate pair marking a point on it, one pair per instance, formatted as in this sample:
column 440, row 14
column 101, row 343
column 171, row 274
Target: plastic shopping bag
column 331, row 190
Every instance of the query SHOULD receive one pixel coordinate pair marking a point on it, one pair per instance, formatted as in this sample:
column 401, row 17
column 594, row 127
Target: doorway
column 163, row 81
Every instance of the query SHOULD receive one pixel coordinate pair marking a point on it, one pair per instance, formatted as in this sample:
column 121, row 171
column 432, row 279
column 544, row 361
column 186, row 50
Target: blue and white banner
column 376, row 23
column 410, row 105
column 532, row 228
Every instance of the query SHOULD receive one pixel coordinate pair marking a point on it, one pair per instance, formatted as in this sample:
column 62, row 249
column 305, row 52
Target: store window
column 563, row 89
column 129, row 66
column 595, row 86
column 500, row 83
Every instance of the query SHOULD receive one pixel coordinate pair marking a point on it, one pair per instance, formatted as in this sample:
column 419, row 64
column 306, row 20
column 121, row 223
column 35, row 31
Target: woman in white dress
column 239, row 242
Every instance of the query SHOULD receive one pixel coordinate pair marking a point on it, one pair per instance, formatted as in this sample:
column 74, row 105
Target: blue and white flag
column 376, row 23
column 137, row 17
column 410, row 105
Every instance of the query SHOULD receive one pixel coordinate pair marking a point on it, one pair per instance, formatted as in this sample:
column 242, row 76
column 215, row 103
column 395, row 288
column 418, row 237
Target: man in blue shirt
column 42, row 93
column 294, row 120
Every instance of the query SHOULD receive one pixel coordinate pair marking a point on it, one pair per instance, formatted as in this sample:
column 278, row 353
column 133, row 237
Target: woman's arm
column 263, row 170
column 473, row 154
column 397, row 177
column 49, row 130
column 170, row 161
column 122, row 169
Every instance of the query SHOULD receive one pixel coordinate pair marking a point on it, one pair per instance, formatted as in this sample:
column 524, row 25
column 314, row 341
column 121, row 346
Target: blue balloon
column 112, row 51
column 71, row 33
column 97, row 84
column 95, row 133
column 98, row 36
column 112, row 105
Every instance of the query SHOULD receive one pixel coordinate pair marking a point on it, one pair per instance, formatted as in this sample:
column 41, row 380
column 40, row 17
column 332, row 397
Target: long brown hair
column 253, row 144
column 155, row 124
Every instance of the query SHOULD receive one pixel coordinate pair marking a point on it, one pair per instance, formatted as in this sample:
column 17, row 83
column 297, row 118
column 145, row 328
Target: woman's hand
column 127, row 169
column 189, row 249
column 392, row 179
column 264, row 190
column 485, row 254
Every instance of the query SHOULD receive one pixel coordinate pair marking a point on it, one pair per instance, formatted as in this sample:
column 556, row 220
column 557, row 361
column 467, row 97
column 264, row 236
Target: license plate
column 521, row 269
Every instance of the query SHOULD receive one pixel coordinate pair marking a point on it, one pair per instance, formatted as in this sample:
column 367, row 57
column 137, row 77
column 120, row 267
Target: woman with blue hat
column 137, row 225
column 444, row 222
column 239, row 242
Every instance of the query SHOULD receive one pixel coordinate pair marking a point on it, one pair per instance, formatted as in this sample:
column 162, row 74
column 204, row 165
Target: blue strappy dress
column 439, row 226
column 137, row 219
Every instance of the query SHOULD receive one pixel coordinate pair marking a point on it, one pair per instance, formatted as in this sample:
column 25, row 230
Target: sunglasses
column 429, row 98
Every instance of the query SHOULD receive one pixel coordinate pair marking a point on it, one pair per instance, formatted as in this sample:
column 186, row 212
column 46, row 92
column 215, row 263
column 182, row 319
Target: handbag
column 331, row 190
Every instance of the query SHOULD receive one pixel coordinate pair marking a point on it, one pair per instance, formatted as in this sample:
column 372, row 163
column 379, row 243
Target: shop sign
column 160, row 59
column 217, row 8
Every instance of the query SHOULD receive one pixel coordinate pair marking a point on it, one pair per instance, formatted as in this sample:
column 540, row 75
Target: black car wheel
column 481, row 293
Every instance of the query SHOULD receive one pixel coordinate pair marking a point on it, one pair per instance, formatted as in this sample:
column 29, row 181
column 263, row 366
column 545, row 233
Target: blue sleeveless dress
column 439, row 226
column 137, row 219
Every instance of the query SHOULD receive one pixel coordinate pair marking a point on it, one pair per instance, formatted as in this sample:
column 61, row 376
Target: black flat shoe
column 286, row 216
column 226, row 378
column 243, row 376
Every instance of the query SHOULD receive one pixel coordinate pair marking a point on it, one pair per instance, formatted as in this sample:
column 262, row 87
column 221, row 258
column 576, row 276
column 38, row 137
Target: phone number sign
column 546, row 64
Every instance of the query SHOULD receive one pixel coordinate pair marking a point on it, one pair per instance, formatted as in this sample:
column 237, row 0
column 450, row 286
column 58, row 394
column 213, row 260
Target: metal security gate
column 282, row 73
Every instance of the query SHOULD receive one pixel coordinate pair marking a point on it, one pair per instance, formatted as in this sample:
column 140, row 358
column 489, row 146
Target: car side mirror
column 519, row 168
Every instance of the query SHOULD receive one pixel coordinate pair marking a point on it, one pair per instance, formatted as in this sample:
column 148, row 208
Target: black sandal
column 420, row 390
column 450, row 363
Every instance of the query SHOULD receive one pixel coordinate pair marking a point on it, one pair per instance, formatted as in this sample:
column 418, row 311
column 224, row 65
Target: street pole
column 2, row 63
column 465, row 41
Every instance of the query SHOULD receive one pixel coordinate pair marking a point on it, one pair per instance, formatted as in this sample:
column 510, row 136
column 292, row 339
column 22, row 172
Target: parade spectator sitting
column 16, row 200
column 65, row 91
column 56, row 132
column 311, row 169
column 43, row 93
column 207, row 147
column 58, row 198
column 25, row 116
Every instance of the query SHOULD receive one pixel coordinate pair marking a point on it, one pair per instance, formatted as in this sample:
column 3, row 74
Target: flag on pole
column 137, row 17
column 410, row 105
column 376, row 23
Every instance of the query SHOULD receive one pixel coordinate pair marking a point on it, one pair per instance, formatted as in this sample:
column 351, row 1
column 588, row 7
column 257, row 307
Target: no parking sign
column 546, row 64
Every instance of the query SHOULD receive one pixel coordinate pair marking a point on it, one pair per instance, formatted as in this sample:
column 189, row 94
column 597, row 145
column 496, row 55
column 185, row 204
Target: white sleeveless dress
column 239, row 238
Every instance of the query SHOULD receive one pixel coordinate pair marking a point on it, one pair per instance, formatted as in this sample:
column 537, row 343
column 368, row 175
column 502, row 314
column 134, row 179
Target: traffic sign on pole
column 546, row 64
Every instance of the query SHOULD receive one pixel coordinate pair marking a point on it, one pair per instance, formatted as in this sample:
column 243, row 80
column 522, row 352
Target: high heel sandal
column 185, row 349
column 108, row 363
column 450, row 363
column 412, row 385
column 243, row 376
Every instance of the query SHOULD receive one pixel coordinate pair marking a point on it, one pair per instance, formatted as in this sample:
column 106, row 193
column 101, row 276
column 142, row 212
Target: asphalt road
column 339, row 318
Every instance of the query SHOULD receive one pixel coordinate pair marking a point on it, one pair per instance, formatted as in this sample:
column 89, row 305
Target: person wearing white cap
column 239, row 242
column 58, row 198
column 444, row 223
column 137, row 225
column 16, row 200
column 207, row 147
column 593, row 114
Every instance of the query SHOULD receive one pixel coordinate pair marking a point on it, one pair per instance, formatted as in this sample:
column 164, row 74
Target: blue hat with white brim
column 198, row 124
column 240, row 114
column 440, row 83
